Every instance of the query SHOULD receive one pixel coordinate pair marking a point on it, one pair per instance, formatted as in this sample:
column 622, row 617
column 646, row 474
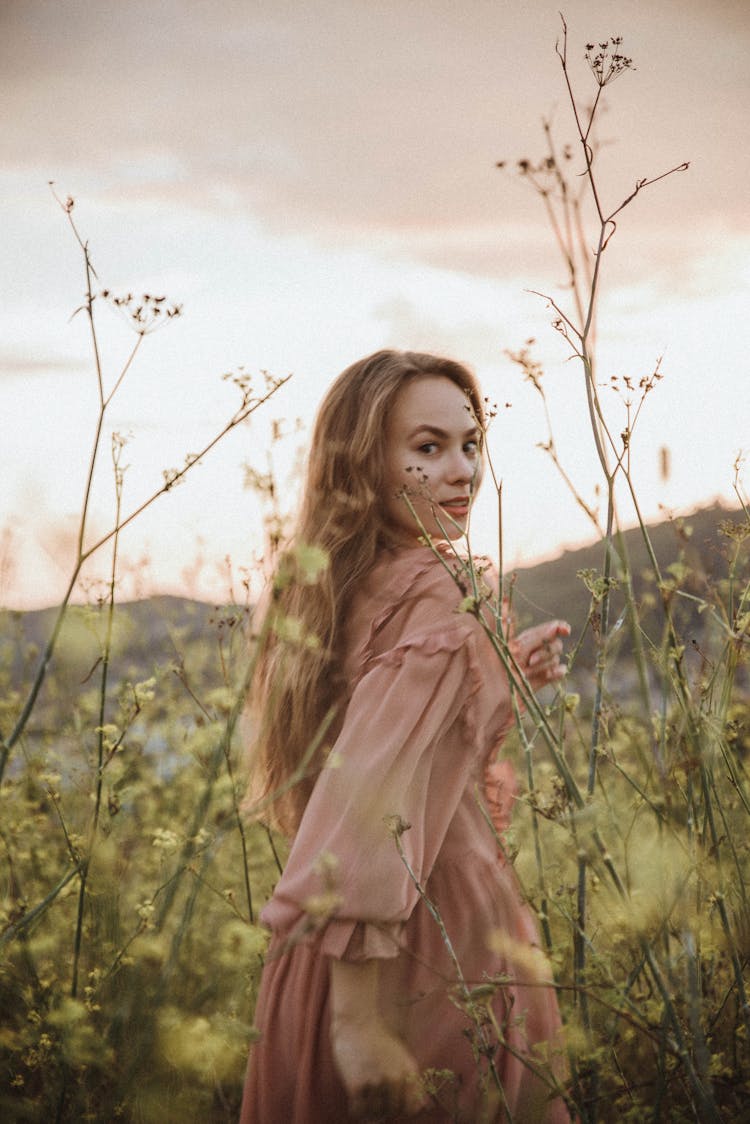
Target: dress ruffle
column 406, row 753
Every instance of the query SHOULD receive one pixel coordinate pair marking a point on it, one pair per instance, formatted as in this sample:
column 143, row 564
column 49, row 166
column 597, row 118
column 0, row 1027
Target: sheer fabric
column 427, row 709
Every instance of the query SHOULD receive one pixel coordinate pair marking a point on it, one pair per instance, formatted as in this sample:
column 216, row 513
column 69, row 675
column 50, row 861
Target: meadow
column 130, row 949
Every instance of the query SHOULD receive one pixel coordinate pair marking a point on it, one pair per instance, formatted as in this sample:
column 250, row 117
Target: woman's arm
column 380, row 1076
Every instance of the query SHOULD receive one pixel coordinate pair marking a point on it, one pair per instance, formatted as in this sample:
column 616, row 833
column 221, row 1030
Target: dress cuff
column 361, row 940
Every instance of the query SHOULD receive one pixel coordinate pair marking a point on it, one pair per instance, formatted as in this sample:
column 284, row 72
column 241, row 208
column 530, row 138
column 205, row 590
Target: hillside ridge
column 161, row 626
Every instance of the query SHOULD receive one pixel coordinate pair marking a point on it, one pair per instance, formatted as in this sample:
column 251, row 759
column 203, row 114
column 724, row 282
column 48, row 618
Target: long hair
column 297, row 680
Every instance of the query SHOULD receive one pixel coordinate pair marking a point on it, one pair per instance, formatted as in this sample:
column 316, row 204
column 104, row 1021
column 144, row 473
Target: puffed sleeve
column 406, row 749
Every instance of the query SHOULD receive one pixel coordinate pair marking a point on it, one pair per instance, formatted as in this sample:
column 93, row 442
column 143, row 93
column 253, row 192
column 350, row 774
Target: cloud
column 346, row 116
column 406, row 326
column 22, row 365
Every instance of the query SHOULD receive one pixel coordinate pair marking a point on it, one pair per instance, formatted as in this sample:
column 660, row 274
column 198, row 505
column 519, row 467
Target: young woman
column 395, row 904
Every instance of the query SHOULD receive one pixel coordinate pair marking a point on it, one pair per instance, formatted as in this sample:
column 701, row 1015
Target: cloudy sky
column 312, row 181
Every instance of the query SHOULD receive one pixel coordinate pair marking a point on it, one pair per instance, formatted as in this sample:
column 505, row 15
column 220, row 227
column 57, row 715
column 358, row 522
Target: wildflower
column 608, row 63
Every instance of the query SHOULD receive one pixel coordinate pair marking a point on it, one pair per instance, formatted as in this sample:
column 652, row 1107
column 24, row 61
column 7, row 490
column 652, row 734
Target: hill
column 693, row 552
column 697, row 539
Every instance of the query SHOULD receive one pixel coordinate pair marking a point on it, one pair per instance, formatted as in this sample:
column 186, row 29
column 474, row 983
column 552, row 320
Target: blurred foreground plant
column 131, row 885
column 648, row 830
column 638, row 865
column 119, row 817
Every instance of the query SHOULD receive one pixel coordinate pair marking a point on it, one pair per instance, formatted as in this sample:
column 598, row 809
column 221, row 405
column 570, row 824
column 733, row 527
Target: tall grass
column 129, row 947
column 644, row 827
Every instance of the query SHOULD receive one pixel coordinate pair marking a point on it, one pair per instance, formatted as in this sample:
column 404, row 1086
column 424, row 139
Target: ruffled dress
column 428, row 704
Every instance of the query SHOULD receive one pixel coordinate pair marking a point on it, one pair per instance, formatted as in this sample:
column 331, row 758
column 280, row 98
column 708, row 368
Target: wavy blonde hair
column 297, row 681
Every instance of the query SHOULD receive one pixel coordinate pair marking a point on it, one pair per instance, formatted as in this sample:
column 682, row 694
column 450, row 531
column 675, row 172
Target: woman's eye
column 471, row 448
column 428, row 447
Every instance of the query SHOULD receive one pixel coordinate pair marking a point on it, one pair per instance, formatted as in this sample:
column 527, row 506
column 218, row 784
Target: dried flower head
column 607, row 61
column 145, row 313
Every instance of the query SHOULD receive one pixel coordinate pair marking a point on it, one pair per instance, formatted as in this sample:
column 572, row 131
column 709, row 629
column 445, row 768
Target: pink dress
column 427, row 708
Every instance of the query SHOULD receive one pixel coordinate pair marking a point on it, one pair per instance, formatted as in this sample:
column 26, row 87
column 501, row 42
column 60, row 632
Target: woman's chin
column 453, row 531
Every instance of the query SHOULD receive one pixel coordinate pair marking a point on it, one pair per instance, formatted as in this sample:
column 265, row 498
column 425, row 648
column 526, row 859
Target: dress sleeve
column 406, row 749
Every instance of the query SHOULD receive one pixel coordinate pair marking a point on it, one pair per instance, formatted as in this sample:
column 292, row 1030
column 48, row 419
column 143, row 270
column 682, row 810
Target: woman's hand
column 379, row 1074
column 537, row 652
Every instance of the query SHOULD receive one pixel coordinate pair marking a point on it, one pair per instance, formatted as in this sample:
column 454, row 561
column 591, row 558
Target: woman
column 395, row 905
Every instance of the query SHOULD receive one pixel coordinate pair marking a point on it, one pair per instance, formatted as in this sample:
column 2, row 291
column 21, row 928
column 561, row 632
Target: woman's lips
column 456, row 508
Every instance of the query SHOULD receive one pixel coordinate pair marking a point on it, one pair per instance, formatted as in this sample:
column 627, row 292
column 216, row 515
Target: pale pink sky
column 315, row 180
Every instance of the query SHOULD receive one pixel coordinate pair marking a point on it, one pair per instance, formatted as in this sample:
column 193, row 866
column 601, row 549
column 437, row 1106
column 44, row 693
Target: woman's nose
column 462, row 467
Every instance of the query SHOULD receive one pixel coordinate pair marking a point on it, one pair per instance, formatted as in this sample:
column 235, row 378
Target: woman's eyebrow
column 436, row 431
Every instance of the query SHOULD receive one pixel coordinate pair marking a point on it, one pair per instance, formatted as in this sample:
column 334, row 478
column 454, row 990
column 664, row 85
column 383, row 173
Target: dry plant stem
column 523, row 359
column 20, row 927
column 103, row 686
column 536, row 710
column 240, row 416
column 248, row 407
column 580, row 340
column 469, row 1001
column 539, row 1072
column 199, row 876
column 239, row 823
column 589, row 511
column 543, row 910
column 720, row 898
column 704, row 1095
column 485, row 1047
column 219, row 756
column 498, row 486
column 573, row 231
column 579, row 933
column 742, row 599
column 636, row 636
column 299, row 774
column 600, row 434
column 273, row 849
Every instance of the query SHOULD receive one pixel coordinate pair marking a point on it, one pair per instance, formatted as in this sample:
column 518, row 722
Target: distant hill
column 694, row 550
column 146, row 633
column 158, row 629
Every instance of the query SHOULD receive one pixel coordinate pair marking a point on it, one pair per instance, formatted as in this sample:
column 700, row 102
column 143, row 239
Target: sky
column 313, row 181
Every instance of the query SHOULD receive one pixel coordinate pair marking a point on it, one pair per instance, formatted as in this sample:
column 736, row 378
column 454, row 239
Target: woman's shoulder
column 412, row 595
column 437, row 572
column 412, row 574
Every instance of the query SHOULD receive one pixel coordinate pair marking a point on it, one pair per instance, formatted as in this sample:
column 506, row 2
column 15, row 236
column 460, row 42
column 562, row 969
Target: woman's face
column 432, row 452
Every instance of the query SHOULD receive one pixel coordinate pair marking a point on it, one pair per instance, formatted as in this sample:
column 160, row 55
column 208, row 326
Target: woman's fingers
column 388, row 1098
column 372, row 1102
column 549, row 651
column 381, row 1076
column 538, row 651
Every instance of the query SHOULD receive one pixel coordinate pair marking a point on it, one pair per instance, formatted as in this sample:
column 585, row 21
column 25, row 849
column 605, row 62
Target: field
column 131, row 887
column 132, row 879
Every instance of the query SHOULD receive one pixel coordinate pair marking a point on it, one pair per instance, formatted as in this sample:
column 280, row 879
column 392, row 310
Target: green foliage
column 636, row 857
column 154, row 1021
column 130, row 950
